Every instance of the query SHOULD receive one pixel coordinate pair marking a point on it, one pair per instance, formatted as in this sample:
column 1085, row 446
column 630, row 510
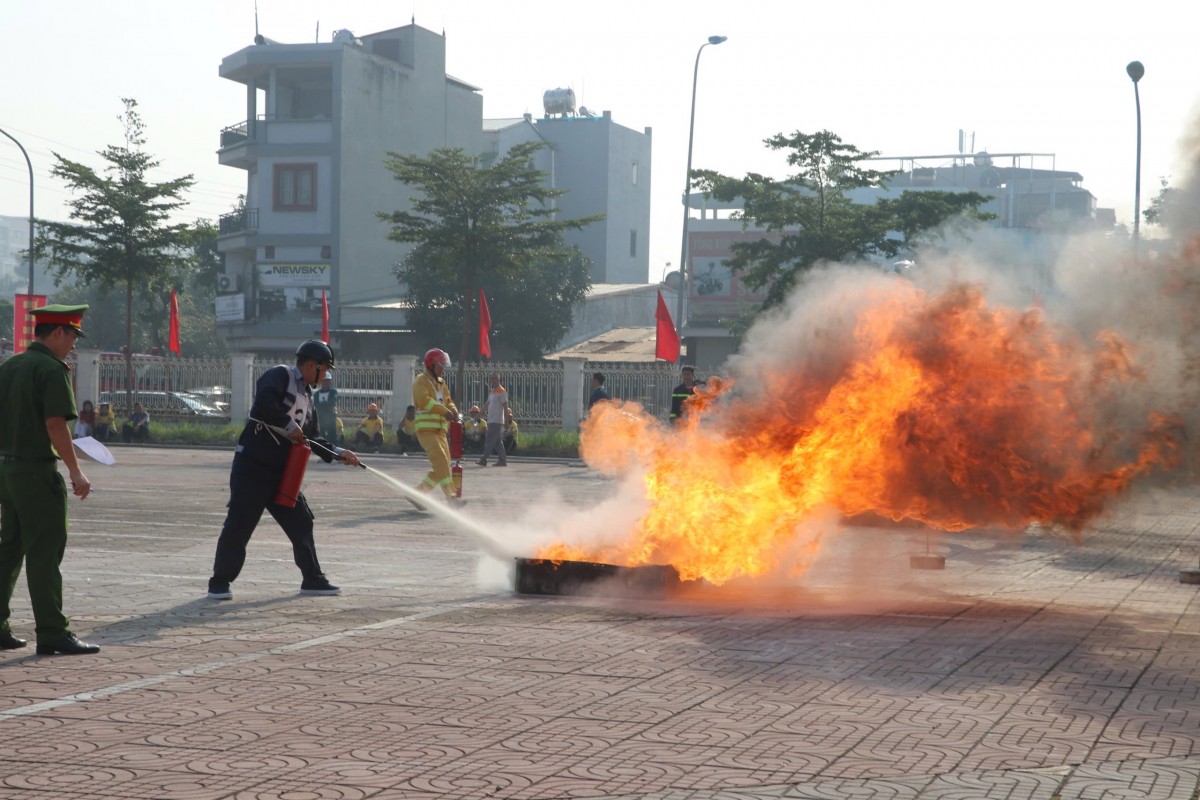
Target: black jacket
column 280, row 399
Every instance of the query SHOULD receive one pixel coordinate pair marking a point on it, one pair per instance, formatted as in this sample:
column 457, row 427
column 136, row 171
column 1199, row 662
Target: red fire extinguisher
column 293, row 475
column 456, row 452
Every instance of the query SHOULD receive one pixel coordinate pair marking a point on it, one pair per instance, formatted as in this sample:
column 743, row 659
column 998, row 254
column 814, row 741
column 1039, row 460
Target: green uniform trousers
column 33, row 529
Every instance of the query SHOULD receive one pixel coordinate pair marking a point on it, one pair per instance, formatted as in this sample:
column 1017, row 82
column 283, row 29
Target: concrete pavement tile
column 1155, row 779
column 505, row 714
column 877, row 789
column 1031, row 784
column 287, row 789
column 233, row 729
column 704, row 728
column 777, row 753
column 579, row 738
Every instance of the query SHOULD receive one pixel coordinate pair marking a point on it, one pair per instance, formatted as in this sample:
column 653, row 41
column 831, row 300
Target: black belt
column 12, row 459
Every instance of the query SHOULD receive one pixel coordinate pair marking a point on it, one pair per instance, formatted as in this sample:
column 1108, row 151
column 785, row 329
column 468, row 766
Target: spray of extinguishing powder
column 467, row 527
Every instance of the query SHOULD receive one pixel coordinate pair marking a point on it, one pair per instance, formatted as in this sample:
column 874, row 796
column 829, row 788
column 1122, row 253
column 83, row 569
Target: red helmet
column 436, row 356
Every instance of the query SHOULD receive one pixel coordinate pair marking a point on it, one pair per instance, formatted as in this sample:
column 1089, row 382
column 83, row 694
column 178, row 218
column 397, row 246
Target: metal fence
column 166, row 387
column 647, row 383
column 535, row 390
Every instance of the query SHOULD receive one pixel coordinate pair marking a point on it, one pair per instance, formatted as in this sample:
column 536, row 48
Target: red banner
column 22, row 321
column 485, row 326
column 666, row 339
column 173, row 335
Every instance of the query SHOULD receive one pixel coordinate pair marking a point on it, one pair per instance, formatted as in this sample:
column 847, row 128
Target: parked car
column 172, row 405
column 218, row 396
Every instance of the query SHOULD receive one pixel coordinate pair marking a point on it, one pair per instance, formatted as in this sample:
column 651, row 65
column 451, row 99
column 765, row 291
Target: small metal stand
column 927, row 560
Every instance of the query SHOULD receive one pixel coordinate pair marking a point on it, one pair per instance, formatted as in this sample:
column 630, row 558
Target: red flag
column 485, row 325
column 666, row 340
column 324, row 317
column 173, row 336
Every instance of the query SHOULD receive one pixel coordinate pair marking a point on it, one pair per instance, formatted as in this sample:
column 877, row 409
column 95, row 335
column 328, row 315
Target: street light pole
column 1135, row 71
column 28, row 164
column 684, row 271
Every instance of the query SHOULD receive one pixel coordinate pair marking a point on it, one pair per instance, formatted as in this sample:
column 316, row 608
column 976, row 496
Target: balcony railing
column 244, row 221
column 235, row 134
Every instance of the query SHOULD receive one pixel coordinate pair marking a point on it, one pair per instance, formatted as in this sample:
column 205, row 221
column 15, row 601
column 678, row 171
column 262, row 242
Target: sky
column 898, row 78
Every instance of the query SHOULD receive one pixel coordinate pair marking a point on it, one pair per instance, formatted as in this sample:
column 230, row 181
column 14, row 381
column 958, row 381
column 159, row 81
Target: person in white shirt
column 497, row 406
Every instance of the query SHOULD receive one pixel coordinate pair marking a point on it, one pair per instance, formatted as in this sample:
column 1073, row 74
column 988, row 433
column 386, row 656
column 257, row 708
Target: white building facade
column 319, row 122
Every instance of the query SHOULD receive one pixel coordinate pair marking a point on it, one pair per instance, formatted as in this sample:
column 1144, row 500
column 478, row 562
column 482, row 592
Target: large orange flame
column 937, row 409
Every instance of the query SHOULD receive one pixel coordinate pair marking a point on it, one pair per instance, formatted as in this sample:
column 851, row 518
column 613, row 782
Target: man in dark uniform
column 282, row 414
column 682, row 392
column 38, row 404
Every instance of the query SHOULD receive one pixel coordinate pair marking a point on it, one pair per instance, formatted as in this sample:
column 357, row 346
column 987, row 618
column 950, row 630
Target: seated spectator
column 510, row 431
column 105, row 426
column 370, row 430
column 474, row 431
column 406, row 434
column 85, row 423
column 137, row 426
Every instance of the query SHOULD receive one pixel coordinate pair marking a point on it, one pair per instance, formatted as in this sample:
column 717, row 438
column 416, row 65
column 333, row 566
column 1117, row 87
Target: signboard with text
column 22, row 321
column 231, row 307
column 287, row 276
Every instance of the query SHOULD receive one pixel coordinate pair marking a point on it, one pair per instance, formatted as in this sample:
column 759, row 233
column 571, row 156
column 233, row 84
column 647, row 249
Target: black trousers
column 251, row 491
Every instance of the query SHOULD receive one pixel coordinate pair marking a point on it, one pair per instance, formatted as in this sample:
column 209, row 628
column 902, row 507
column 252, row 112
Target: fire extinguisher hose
column 284, row 433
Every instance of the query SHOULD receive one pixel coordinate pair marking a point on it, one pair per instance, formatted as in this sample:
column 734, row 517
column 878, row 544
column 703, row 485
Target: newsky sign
column 292, row 275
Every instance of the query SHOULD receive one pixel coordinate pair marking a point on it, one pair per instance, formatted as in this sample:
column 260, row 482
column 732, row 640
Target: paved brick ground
column 1029, row 668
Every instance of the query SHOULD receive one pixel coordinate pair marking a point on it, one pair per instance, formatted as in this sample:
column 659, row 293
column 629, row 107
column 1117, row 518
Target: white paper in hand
column 94, row 450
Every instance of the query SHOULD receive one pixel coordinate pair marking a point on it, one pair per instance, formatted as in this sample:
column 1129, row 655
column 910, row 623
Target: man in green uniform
column 38, row 403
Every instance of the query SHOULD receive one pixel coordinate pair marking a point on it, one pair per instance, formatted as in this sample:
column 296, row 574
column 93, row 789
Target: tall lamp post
column 28, row 164
column 684, row 279
column 1136, row 71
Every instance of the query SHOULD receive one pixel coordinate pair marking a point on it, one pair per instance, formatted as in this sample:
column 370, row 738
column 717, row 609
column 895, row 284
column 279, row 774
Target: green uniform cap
column 59, row 314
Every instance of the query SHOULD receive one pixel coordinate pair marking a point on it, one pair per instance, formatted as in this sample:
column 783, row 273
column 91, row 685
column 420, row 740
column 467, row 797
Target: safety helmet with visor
column 436, row 356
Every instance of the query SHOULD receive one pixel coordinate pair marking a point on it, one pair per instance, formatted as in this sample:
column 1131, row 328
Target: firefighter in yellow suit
column 435, row 411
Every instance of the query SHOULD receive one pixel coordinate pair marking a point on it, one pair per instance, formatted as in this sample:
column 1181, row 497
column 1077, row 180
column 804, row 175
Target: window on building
column 633, row 244
column 295, row 187
column 634, row 175
column 326, row 251
column 269, row 251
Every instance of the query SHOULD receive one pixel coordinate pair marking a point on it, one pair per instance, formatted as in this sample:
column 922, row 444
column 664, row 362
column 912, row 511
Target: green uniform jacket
column 34, row 386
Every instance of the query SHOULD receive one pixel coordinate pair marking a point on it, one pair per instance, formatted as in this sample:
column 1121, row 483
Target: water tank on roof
column 559, row 101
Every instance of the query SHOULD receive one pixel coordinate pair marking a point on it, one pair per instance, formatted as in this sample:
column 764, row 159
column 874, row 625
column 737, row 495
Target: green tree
column 492, row 226
column 530, row 311
column 121, row 233
column 814, row 219
column 1160, row 204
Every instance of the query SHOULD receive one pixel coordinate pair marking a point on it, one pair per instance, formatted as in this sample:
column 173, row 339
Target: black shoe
column 500, row 464
column 219, row 591
column 481, row 463
column 319, row 586
column 68, row 645
column 10, row 642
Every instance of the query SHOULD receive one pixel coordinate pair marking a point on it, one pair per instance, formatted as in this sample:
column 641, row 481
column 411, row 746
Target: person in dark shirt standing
column 598, row 391
column 282, row 414
column 38, row 403
column 681, row 393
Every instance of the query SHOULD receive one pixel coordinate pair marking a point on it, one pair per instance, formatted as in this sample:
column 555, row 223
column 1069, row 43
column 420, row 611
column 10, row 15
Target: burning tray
column 539, row 576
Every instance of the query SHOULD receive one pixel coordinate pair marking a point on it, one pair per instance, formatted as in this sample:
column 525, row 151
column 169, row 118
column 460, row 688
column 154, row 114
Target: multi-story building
column 320, row 120
column 604, row 168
